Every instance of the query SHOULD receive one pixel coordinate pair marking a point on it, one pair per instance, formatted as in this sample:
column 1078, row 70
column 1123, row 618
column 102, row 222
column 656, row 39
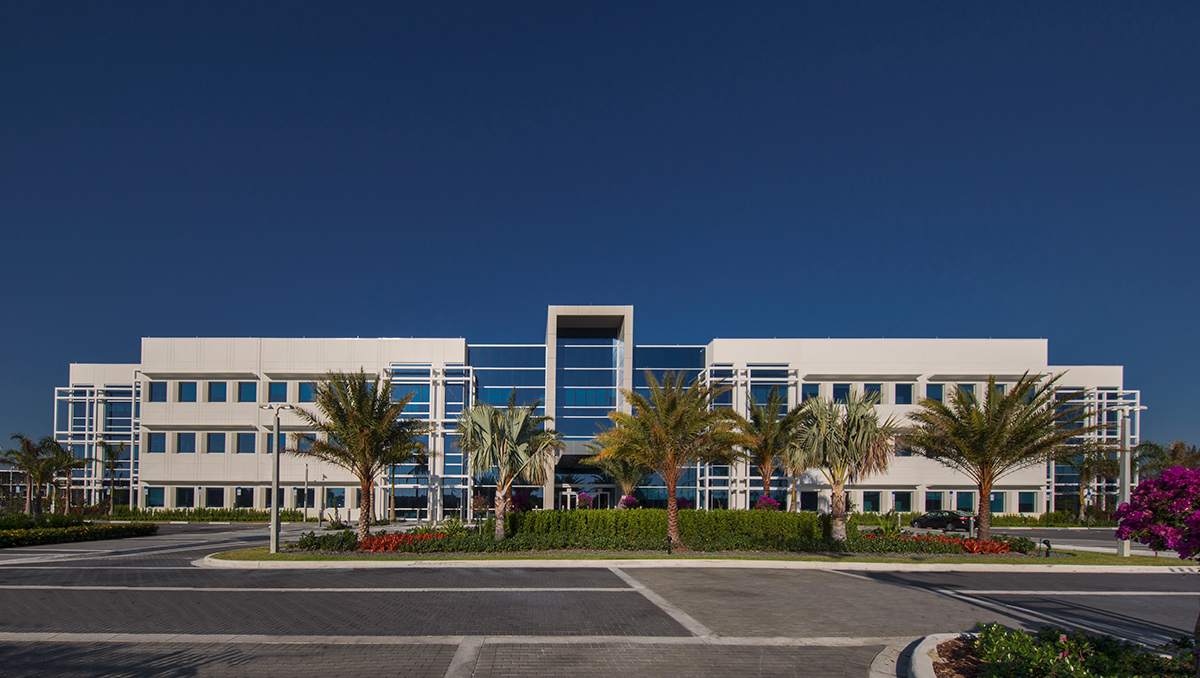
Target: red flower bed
column 386, row 543
column 972, row 546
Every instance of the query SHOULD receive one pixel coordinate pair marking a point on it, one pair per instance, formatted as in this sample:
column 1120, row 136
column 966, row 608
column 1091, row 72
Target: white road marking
column 465, row 658
column 687, row 621
column 330, row 589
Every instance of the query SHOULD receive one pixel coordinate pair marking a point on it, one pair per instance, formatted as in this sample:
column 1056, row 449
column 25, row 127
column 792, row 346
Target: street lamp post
column 1126, row 471
column 275, row 477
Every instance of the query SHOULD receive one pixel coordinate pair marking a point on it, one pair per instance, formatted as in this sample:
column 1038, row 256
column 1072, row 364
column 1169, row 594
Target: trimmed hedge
column 221, row 515
column 63, row 535
column 20, row 521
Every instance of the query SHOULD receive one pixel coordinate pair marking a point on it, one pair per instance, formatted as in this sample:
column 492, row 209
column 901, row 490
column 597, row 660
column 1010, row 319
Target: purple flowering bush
column 684, row 503
column 629, row 502
column 583, row 501
column 766, row 503
column 1164, row 513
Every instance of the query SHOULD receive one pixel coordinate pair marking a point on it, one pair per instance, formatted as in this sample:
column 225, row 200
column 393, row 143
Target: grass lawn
column 1071, row 558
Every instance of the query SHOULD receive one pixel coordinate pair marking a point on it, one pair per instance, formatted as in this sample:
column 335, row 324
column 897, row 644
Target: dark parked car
column 943, row 520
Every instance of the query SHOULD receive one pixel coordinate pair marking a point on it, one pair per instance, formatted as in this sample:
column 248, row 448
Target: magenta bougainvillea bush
column 1164, row 513
column 766, row 503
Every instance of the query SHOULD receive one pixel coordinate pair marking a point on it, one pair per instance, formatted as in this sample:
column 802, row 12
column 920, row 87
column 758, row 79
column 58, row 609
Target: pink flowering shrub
column 629, row 502
column 766, row 503
column 583, row 501
column 1164, row 513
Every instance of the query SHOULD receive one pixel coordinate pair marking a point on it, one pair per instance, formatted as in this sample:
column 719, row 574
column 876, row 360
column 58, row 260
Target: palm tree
column 1090, row 461
column 626, row 473
column 1151, row 459
column 847, row 442
column 510, row 443
column 110, row 461
column 361, row 430
column 61, row 462
column 670, row 430
column 26, row 458
column 797, row 460
column 770, row 436
column 1027, row 425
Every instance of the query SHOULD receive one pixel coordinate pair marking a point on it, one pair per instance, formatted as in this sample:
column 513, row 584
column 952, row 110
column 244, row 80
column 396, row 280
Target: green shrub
column 216, row 515
column 1055, row 653
column 1052, row 519
column 346, row 540
column 20, row 521
column 63, row 535
column 1018, row 544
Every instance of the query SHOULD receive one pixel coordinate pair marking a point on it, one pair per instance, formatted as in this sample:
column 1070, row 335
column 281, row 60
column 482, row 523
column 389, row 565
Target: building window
column 245, row 443
column 998, row 390
column 271, row 441
column 185, row 443
column 267, row 497
column 155, row 497
column 335, row 497
column 904, row 394
column 277, row 392
column 187, row 391
column 870, row 502
column 185, row 497
column 841, row 393
column 214, row 497
column 303, row 501
column 243, row 497
column 216, row 391
column 997, row 502
column 933, row 501
column 809, row 391
column 1027, row 502
column 247, row 391
column 964, row 501
column 306, row 391
column 808, row 500
column 875, row 391
column 158, row 391
column 967, row 389
column 304, row 442
column 156, row 443
column 902, row 501
column 934, row 392
column 215, row 444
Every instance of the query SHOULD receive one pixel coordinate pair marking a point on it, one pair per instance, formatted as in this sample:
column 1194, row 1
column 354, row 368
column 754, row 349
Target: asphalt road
column 139, row 607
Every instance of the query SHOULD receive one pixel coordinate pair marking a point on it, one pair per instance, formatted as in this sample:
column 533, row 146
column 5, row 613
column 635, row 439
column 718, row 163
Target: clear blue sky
column 731, row 169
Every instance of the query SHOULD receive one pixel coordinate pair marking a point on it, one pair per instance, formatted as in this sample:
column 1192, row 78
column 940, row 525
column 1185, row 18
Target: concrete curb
column 365, row 563
column 920, row 664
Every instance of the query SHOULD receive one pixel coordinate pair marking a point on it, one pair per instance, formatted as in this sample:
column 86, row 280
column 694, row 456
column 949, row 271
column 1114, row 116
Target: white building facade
column 194, row 415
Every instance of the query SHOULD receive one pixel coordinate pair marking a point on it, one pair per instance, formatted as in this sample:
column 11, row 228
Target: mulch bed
column 959, row 659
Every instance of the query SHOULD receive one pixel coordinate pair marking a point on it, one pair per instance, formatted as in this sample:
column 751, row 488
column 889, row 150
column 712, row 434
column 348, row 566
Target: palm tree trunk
column 364, row 510
column 838, row 511
column 1083, row 483
column 501, row 511
column 984, row 532
column 112, row 488
column 795, row 504
column 28, row 497
column 673, row 517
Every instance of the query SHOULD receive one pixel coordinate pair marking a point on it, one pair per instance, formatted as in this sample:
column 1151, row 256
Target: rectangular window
column 303, row 442
column 874, row 391
column 934, row 392
column 306, row 391
column 933, row 501
column 245, row 443
column 277, row 392
column 214, row 497
column 185, row 497
column 809, row 391
column 997, row 502
column 1027, row 502
column 157, row 443
column 303, row 501
column 335, row 497
column 267, row 498
column 243, row 497
column 902, row 501
column 967, row 389
column 964, row 501
column 271, row 441
column 870, row 502
column 187, row 391
column 158, row 391
column 904, row 394
column 215, row 443
column 216, row 391
column 247, row 391
column 185, row 443
column 155, row 497
column 841, row 393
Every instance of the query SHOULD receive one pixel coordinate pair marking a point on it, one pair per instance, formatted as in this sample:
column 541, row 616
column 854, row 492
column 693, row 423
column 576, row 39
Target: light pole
column 306, row 493
column 275, row 477
column 1126, row 472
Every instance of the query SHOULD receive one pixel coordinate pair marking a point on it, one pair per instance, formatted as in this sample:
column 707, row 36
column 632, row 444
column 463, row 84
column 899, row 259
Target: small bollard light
column 1046, row 543
column 668, row 545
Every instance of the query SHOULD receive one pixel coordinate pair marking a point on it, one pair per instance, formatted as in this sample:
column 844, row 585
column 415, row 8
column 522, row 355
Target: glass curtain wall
column 700, row 486
column 85, row 415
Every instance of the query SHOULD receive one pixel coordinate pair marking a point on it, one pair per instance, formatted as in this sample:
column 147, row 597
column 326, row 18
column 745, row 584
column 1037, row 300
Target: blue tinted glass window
column 933, row 501
column 216, row 391
column 277, row 392
column 306, row 391
column 158, row 391
column 964, row 501
column 997, row 502
column 968, row 389
column 304, row 442
column 874, row 390
column 904, row 394
column 187, row 391
column 1027, row 502
column 185, row 497
column 245, row 443
column 155, row 497
column 934, row 392
column 215, row 443
column 841, row 393
column 185, row 443
column 271, row 441
column 243, row 497
column 999, row 390
column 335, row 497
column 810, row 391
column 214, row 497
column 870, row 502
column 902, row 501
column 247, row 391
column 157, row 443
